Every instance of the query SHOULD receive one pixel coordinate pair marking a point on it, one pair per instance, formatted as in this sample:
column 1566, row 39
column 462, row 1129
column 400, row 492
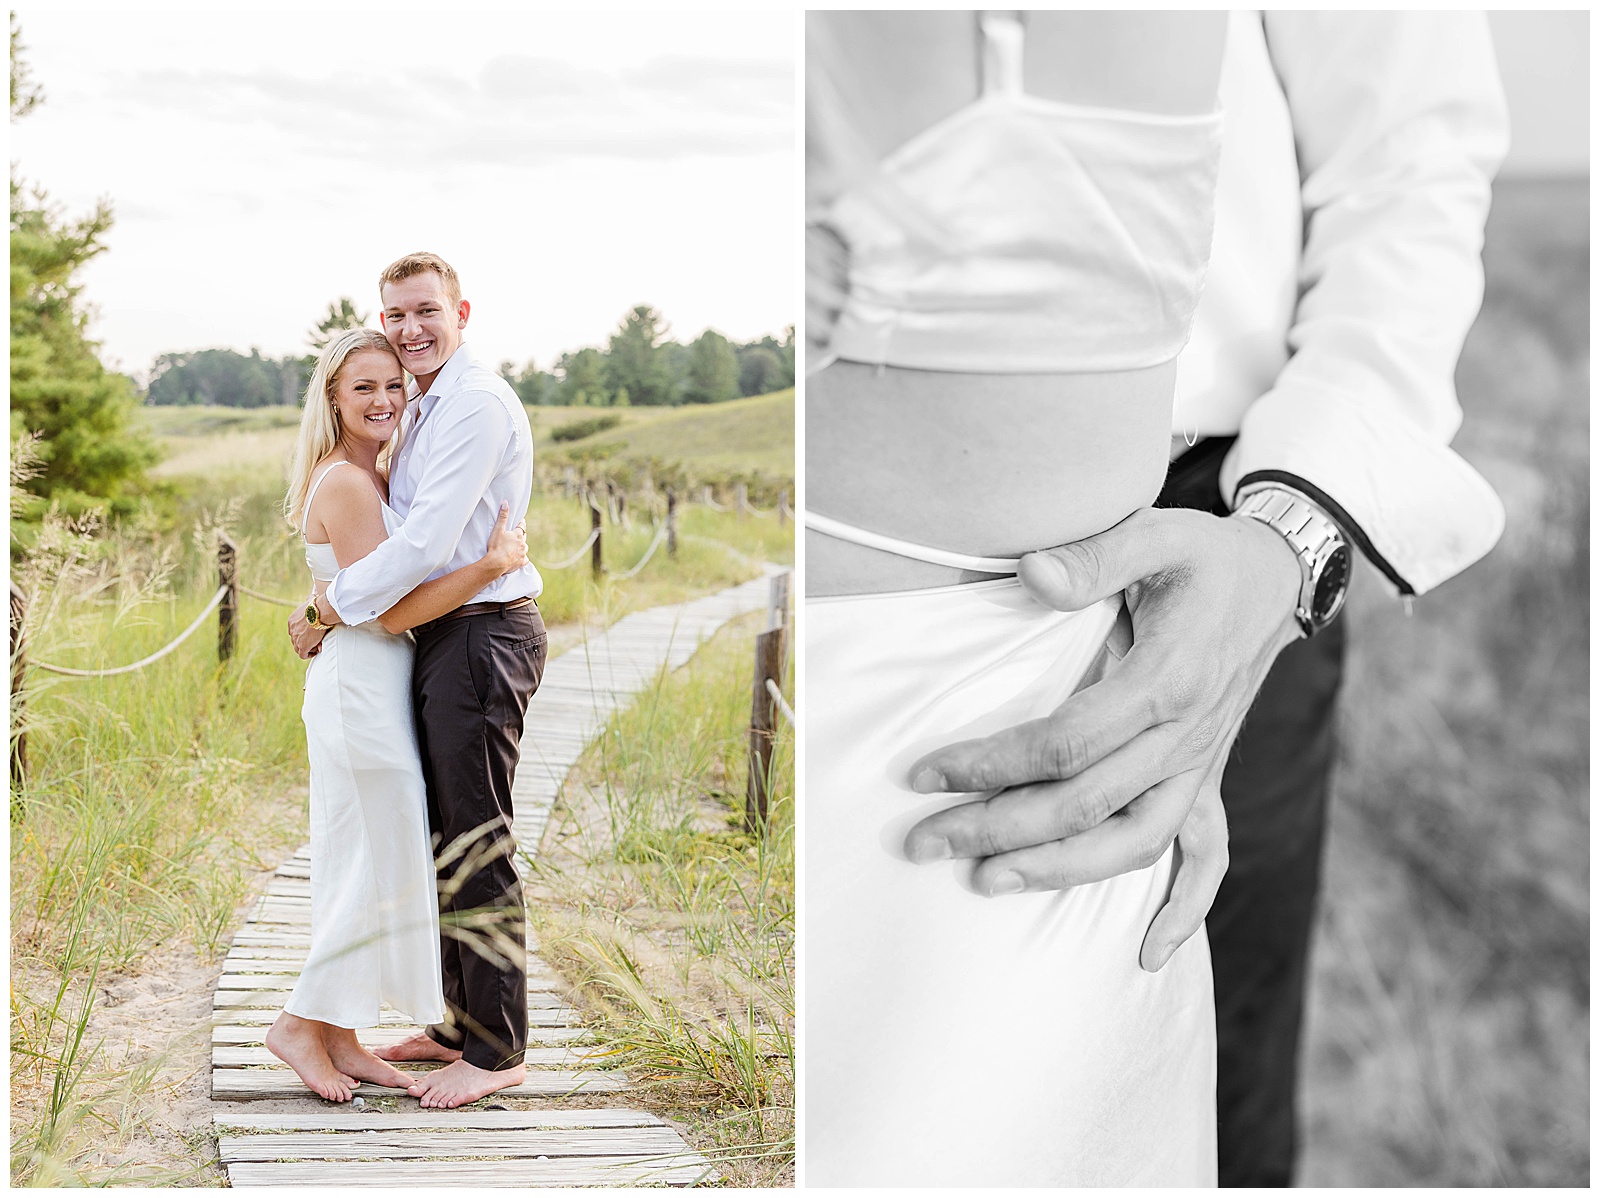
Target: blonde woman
column 374, row 908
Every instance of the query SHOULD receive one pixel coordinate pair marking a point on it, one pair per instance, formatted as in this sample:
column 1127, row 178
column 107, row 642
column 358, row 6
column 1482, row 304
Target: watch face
column 1331, row 586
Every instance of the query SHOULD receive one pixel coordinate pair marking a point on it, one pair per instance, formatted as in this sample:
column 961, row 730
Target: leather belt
column 475, row 609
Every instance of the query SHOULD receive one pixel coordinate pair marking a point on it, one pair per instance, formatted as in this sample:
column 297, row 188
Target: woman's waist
column 991, row 466
column 911, row 671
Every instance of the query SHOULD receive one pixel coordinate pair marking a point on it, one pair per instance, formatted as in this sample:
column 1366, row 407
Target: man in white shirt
column 466, row 448
column 1345, row 273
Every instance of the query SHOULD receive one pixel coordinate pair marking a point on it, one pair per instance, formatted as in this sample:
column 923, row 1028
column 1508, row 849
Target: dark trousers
column 470, row 687
column 1275, row 790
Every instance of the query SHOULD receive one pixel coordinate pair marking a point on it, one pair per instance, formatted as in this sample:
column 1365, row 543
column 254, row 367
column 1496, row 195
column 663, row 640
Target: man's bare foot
column 352, row 1057
column 461, row 1082
column 298, row 1044
column 420, row 1047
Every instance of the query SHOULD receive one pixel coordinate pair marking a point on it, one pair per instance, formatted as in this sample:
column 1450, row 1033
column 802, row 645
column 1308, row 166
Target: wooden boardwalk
column 304, row 1141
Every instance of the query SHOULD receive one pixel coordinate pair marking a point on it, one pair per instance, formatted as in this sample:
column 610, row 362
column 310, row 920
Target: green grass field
column 676, row 920
column 153, row 800
column 1448, row 1033
column 743, row 434
column 754, row 434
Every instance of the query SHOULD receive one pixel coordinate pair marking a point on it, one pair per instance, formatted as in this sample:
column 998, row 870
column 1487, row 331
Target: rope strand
column 140, row 664
column 777, row 697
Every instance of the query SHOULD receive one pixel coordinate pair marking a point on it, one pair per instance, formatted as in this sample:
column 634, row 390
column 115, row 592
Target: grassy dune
column 155, row 799
column 753, row 434
column 1448, row 1033
column 677, row 922
column 743, row 434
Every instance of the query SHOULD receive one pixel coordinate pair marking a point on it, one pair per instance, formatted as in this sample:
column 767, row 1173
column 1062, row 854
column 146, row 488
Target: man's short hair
column 416, row 264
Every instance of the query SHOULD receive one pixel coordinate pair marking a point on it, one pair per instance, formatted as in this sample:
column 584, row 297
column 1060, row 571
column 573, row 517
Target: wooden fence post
column 672, row 523
column 744, row 501
column 594, row 551
column 622, row 509
column 783, row 502
column 705, row 495
column 228, row 611
column 763, row 722
column 19, row 652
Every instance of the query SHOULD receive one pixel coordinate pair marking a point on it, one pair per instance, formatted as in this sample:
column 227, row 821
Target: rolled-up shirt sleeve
column 469, row 439
column 1400, row 124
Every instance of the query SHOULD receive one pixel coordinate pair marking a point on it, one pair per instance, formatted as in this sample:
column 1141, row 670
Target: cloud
column 520, row 110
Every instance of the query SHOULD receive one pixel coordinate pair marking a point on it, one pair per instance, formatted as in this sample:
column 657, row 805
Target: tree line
column 640, row 365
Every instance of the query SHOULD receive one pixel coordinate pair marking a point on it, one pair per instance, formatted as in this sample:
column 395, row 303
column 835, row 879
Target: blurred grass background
column 1447, row 1036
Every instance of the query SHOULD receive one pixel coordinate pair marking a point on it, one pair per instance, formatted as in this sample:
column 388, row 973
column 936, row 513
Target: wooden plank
column 559, row 1017
column 541, row 985
column 466, row 1118
column 559, row 1171
column 246, row 1085
column 231, row 1033
column 537, row 1056
column 414, row 1145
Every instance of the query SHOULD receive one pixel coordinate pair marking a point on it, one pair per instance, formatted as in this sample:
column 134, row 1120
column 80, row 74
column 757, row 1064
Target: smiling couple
column 413, row 739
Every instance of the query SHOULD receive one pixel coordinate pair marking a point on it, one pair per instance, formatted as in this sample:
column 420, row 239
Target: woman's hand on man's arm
column 1105, row 783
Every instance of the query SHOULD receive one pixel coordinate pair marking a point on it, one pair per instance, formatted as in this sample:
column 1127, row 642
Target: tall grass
column 677, row 921
column 1447, row 1039
column 154, row 799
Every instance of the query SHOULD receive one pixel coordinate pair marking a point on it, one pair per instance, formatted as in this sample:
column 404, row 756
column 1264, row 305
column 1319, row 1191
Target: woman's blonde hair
column 320, row 428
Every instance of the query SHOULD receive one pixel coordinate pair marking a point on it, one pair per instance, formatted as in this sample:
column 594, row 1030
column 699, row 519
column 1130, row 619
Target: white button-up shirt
column 1346, row 271
column 466, row 448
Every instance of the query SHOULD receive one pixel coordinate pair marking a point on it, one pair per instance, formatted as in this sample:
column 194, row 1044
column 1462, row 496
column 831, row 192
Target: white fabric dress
column 951, row 1039
column 374, row 900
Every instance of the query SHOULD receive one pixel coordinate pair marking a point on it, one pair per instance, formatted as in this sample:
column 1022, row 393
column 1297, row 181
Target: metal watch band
column 1314, row 538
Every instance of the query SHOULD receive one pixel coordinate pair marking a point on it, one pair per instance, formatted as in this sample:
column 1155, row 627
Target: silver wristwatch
column 1316, row 541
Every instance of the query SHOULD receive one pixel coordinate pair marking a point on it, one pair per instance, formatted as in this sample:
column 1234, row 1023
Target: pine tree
column 92, row 453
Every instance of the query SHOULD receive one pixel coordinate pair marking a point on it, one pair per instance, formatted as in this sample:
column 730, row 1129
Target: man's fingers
column 1041, row 812
column 1073, row 576
column 1085, row 728
column 1132, row 839
column 1202, row 863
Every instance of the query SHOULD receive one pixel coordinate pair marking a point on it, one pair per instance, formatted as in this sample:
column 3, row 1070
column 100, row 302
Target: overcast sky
column 569, row 166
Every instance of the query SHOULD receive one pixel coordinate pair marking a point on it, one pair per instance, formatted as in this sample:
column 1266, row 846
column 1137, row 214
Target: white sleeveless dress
column 374, row 900
column 951, row 1039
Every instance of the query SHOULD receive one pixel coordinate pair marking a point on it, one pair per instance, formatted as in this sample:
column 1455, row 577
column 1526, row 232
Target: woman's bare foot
column 461, row 1082
column 298, row 1044
column 354, row 1058
column 420, row 1047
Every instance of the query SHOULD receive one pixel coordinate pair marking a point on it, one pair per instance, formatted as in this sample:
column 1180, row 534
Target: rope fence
column 244, row 590
column 594, row 535
column 222, row 593
column 784, row 709
column 225, row 601
column 655, row 543
column 766, row 701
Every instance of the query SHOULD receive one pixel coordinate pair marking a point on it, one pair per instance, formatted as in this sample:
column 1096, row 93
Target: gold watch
column 313, row 616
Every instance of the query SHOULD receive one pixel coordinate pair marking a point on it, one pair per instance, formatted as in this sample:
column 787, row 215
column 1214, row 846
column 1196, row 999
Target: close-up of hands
column 1105, row 783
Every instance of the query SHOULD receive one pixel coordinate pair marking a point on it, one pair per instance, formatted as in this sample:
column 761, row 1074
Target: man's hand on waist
column 1105, row 783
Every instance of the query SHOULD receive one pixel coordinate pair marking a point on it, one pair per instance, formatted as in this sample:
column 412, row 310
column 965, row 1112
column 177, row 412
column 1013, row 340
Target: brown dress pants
column 1275, row 790
column 470, row 687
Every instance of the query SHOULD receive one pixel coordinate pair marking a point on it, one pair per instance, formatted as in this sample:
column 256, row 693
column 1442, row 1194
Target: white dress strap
column 305, row 512
column 841, row 531
column 1002, row 53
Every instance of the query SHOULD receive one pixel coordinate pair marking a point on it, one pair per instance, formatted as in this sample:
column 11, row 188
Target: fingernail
column 1007, row 883
column 927, row 781
column 934, row 848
